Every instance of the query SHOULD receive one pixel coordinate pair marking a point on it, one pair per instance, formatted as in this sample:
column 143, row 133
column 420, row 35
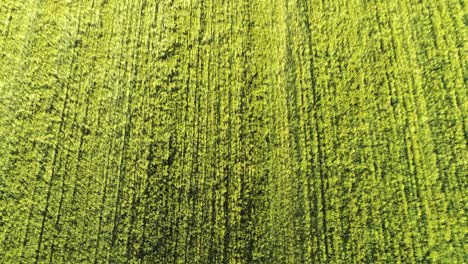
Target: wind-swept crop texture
column 233, row 131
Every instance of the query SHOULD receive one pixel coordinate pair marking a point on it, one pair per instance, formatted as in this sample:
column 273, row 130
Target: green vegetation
column 212, row 131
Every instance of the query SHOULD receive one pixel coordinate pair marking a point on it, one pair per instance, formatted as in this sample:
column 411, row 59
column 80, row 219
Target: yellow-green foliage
column 210, row 131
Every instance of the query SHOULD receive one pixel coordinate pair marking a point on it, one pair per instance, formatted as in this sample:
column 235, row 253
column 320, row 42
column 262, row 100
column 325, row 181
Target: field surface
column 240, row 131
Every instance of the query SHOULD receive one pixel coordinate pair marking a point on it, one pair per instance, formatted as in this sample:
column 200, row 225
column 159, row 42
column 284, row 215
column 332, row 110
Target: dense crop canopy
column 240, row 131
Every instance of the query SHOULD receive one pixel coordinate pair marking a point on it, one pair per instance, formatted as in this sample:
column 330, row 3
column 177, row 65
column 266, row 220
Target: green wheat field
column 233, row 131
